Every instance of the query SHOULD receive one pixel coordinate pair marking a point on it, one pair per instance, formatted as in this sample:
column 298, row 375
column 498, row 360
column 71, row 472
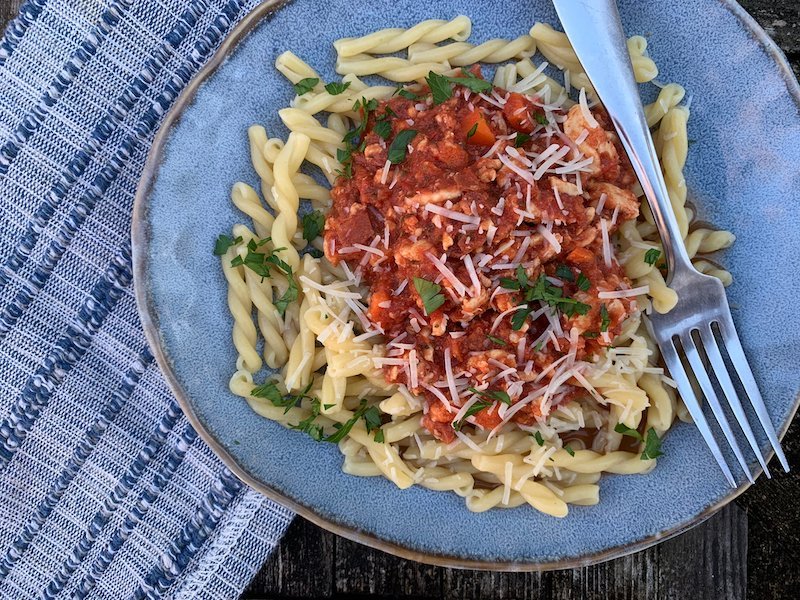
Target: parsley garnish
column 605, row 320
column 472, row 82
column 539, row 439
column 521, row 139
column 652, row 443
column 269, row 391
column 383, row 129
column 354, row 139
column 399, row 146
column 429, row 292
column 403, row 92
column 629, row 431
column 342, row 429
column 583, row 283
column 590, row 335
column 652, row 256
column 569, row 450
column 316, row 253
column 372, row 418
column 308, row 425
column 519, row 317
column 334, row 88
column 442, row 86
column 474, row 409
column 541, row 119
column 261, row 263
column 313, row 224
column 652, row 446
column 472, row 130
column 497, row 340
column 542, row 290
column 305, row 85
column 289, row 296
column 379, row 436
column 565, row 273
column 441, row 90
column 498, row 395
column 224, row 242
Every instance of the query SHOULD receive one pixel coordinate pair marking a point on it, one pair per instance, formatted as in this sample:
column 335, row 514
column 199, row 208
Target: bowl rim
column 147, row 314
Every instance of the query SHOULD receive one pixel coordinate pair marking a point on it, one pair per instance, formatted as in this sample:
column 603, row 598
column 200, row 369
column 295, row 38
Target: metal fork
column 595, row 31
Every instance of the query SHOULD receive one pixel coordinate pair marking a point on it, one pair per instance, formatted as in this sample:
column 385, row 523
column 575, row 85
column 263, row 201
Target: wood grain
column 750, row 549
column 709, row 562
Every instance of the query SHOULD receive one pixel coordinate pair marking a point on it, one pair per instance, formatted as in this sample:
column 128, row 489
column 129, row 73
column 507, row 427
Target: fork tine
column 693, row 356
column 739, row 360
column 724, row 379
column 670, row 356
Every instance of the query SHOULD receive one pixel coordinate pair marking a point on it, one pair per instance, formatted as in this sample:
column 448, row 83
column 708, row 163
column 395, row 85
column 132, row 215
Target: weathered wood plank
column 773, row 561
column 362, row 570
column 301, row 566
column 706, row 563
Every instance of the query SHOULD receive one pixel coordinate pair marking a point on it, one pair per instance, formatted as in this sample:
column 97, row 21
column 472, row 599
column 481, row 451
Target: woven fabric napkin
column 105, row 489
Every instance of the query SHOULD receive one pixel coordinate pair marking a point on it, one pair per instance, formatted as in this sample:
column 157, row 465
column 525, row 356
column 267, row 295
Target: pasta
column 499, row 432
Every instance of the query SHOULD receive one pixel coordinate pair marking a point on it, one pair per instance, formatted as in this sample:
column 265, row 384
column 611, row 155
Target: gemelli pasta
column 464, row 308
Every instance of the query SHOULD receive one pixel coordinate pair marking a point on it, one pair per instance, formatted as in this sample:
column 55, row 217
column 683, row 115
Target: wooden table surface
column 750, row 549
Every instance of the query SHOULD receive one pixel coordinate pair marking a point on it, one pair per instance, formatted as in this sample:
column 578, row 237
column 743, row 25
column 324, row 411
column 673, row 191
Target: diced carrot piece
column 483, row 134
column 580, row 256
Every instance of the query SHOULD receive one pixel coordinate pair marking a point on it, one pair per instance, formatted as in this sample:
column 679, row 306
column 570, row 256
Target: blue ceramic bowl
column 743, row 175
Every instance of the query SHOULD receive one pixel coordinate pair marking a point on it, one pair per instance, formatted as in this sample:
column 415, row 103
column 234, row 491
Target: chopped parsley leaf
column 404, row 93
column 541, row 119
column 583, row 283
column 590, row 335
column 605, row 319
column 441, row 90
column 496, row 340
column 539, row 439
column 543, row 291
column 625, row 430
column 308, row 425
column 521, row 139
column 269, row 391
column 651, row 256
column 569, row 450
column 472, row 82
column 224, row 242
column 379, row 436
column 399, row 146
column 372, row 418
column 498, row 395
column 474, row 409
column 442, row 86
column 519, row 317
column 313, row 224
column 565, row 273
column 383, row 129
column 432, row 299
column 342, row 429
column 328, row 406
column 472, row 130
column 289, row 296
column 316, row 253
column 335, row 88
column 305, row 85
column 652, row 445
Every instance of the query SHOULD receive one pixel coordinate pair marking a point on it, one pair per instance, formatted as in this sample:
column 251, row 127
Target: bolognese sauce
column 481, row 225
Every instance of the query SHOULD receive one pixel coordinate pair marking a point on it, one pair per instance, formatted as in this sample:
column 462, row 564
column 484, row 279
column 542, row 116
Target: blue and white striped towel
column 105, row 489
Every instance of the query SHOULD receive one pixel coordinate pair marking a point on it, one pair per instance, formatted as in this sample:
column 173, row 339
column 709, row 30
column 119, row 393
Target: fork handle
column 595, row 31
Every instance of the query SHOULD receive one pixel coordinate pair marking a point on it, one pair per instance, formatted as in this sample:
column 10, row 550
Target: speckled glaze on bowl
column 742, row 172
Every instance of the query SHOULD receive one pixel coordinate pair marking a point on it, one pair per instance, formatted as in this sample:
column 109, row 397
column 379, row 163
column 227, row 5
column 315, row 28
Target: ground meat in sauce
column 481, row 207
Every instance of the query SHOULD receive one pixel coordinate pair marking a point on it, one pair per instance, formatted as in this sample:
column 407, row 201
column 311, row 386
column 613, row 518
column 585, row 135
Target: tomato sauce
column 474, row 197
